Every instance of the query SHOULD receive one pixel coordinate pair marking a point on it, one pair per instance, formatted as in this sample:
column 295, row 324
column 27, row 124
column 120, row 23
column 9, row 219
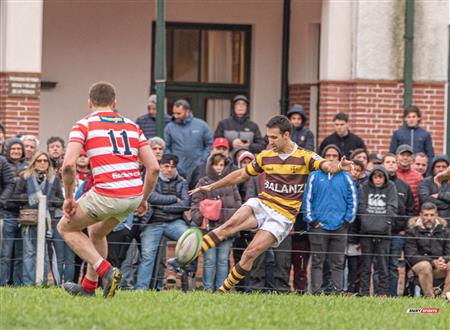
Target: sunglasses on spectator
column 41, row 161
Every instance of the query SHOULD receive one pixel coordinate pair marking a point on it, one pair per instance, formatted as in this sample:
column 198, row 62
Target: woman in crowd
column 39, row 178
column 215, row 262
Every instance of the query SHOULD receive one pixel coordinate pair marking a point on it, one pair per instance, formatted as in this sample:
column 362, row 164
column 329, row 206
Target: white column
column 21, row 36
column 336, row 40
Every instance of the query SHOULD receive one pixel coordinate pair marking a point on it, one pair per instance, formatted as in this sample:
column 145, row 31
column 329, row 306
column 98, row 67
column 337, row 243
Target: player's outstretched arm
column 443, row 176
column 151, row 165
column 336, row 167
column 69, row 175
column 234, row 177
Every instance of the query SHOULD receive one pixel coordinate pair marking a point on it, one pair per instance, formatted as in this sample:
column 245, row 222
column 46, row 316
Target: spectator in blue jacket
column 169, row 200
column 329, row 204
column 147, row 122
column 189, row 138
column 411, row 134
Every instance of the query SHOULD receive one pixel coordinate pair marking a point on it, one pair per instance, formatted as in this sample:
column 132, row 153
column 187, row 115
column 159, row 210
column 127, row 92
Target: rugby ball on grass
column 188, row 246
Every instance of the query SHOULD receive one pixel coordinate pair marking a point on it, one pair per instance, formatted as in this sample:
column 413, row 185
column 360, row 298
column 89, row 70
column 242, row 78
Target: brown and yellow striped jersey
column 285, row 178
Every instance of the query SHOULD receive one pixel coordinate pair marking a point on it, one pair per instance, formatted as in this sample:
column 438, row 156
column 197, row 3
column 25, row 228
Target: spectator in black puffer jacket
column 427, row 249
column 12, row 238
column 430, row 192
column 7, row 183
column 215, row 260
column 169, row 199
column 300, row 134
column 239, row 129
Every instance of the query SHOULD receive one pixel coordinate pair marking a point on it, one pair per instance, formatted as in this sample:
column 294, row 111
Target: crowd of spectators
column 354, row 228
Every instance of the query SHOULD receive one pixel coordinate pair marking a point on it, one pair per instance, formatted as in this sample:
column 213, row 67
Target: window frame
column 173, row 86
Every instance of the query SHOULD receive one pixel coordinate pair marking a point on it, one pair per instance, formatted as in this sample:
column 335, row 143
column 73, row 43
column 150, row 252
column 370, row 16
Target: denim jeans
column 397, row 244
column 29, row 234
column 130, row 266
column 150, row 240
column 65, row 258
column 11, row 251
column 216, row 265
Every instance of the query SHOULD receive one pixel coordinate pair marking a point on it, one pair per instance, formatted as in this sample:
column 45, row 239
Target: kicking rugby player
column 272, row 214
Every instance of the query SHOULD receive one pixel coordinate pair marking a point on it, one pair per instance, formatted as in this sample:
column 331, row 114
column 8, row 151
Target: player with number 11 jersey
column 116, row 147
column 112, row 143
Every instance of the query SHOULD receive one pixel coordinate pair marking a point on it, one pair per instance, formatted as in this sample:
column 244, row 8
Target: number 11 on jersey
column 114, row 144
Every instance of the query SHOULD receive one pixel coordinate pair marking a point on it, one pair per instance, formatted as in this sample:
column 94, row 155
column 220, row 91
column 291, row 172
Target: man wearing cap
column 238, row 129
column 219, row 146
column 300, row 134
column 168, row 200
column 147, row 122
column 405, row 171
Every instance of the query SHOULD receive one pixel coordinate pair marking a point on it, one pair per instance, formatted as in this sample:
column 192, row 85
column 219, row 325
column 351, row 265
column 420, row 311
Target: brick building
column 343, row 56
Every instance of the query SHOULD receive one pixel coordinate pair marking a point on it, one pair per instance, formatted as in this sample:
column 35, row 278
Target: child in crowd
column 215, row 262
column 376, row 209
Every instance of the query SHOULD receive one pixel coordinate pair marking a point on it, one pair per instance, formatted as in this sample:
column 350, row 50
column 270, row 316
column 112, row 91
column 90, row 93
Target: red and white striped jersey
column 112, row 143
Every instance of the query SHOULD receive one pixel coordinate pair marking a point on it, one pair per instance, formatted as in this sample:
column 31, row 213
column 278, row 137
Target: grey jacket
column 190, row 141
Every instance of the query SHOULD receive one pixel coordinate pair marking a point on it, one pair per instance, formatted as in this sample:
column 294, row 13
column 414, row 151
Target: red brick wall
column 19, row 115
column 301, row 94
column 375, row 109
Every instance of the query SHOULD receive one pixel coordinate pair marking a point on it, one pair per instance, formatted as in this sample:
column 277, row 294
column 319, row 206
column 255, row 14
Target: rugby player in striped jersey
column 272, row 214
column 114, row 145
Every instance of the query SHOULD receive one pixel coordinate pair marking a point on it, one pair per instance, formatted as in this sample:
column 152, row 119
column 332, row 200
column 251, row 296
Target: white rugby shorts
column 270, row 220
column 103, row 207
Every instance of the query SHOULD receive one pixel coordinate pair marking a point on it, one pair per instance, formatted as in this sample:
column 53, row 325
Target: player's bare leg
column 242, row 219
column 97, row 234
column 260, row 243
column 92, row 250
column 71, row 232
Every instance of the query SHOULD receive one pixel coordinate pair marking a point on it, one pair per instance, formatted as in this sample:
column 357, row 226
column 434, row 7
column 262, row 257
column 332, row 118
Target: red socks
column 103, row 268
column 88, row 285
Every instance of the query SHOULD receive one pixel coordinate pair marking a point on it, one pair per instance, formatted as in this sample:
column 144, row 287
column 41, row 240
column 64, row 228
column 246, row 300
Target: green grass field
column 51, row 308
